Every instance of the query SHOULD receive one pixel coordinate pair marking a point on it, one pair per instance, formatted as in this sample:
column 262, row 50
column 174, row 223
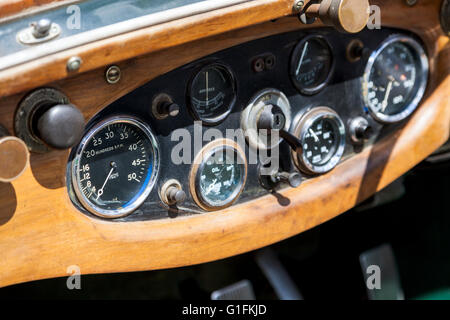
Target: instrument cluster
column 245, row 122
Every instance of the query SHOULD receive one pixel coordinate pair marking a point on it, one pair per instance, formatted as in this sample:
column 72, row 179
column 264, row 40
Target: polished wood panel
column 41, row 234
column 12, row 7
column 140, row 42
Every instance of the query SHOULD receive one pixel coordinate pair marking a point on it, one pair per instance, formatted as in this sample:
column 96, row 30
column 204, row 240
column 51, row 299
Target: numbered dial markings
column 395, row 79
column 322, row 135
column 115, row 168
column 320, row 141
column 311, row 65
column 212, row 94
column 220, row 177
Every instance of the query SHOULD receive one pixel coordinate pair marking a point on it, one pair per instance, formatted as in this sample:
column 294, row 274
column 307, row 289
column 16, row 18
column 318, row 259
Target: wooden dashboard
column 42, row 233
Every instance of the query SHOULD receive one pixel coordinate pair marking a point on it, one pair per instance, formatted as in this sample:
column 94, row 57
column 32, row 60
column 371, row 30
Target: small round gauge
column 218, row 175
column 322, row 135
column 115, row 167
column 395, row 79
column 212, row 93
column 311, row 64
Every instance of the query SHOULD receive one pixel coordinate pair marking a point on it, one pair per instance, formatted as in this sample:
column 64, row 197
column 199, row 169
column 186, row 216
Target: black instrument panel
column 310, row 68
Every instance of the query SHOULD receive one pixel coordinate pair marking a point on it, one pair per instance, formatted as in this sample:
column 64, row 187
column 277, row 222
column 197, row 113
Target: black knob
column 60, row 126
column 175, row 195
column 168, row 108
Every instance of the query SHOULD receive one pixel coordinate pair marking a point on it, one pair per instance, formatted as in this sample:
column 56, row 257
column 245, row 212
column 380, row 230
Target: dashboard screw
column 73, row 64
column 112, row 74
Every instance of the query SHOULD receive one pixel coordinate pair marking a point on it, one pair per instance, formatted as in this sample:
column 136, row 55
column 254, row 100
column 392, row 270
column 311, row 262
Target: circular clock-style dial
column 322, row 136
column 320, row 141
column 220, row 177
column 395, row 79
column 212, row 94
column 311, row 65
column 115, row 167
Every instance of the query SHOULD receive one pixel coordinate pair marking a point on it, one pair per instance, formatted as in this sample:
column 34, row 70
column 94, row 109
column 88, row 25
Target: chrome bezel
column 258, row 139
column 420, row 57
column 306, row 121
column 293, row 62
column 121, row 212
column 205, row 154
column 219, row 118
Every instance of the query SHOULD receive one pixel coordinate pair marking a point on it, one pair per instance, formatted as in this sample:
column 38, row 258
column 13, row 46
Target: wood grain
column 41, row 234
column 151, row 39
column 13, row 7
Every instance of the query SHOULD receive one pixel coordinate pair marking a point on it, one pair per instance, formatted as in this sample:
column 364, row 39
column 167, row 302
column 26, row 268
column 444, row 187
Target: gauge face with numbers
column 311, row 65
column 212, row 93
column 115, row 167
column 395, row 79
column 320, row 141
column 322, row 135
column 220, row 175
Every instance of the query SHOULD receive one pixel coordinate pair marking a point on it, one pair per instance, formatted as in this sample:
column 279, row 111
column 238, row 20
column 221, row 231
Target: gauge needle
column 100, row 191
column 386, row 96
column 211, row 186
column 316, row 138
column 301, row 58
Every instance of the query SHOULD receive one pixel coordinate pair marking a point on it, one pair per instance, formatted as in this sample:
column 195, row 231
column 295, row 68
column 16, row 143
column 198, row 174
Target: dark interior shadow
column 376, row 164
column 8, row 202
column 282, row 200
column 173, row 211
column 49, row 169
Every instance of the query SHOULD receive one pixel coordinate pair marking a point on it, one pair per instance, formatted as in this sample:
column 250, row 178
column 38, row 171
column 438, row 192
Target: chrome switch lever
column 294, row 179
column 272, row 118
column 274, row 178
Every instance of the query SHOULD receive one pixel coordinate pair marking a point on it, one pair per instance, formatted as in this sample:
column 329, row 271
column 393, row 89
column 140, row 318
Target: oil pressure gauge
column 322, row 136
column 115, row 167
column 395, row 79
column 218, row 175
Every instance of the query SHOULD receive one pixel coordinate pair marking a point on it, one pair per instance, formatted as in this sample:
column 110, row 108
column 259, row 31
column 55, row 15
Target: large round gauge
column 311, row 64
column 218, row 175
column 115, row 167
column 395, row 79
column 212, row 93
column 322, row 135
